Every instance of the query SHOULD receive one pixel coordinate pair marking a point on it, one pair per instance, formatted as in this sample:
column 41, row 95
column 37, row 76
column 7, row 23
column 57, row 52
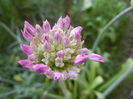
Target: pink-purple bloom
column 46, row 26
column 96, row 57
column 26, row 49
column 40, row 68
column 66, row 22
column 60, row 53
column 55, row 52
column 39, row 29
column 46, row 38
column 25, row 63
column 29, row 28
column 66, row 41
column 72, row 74
column 57, row 37
column 80, row 59
column 27, row 36
column 56, row 76
column 47, row 46
column 84, row 51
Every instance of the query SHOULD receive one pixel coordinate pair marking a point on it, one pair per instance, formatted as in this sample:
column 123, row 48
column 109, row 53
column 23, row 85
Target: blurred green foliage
column 93, row 15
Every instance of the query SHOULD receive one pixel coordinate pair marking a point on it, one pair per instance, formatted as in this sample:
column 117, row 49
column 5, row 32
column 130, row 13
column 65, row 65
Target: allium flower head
column 55, row 52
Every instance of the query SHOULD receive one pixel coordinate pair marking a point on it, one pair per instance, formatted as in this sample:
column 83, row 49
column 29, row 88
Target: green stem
column 64, row 90
column 117, row 82
column 116, row 18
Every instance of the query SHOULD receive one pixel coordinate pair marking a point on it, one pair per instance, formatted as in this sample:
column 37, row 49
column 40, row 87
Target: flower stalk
column 64, row 90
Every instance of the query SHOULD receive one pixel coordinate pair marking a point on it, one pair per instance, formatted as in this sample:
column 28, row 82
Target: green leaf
column 99, row 95
column 97, row 81
column 118, row 78
column 131, row 3
column 93, row 68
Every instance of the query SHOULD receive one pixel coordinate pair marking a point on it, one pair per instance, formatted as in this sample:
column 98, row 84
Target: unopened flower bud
column 60, row 23
column 77, row 30
column 60, row 53
column 29, row 28
column 46, row 38
column 66, row 22
column 84, row 51
column 56, row 76
column 57, row 37
column 65, row 41
column 72, row 74
column 27, row 36
column 80, row 59
column 40, row 68
column 25, row 63
column 96, row 57
column 26, row 49
column 39, row 30
column 47, row 46
column 46, row 26
column 77, row 36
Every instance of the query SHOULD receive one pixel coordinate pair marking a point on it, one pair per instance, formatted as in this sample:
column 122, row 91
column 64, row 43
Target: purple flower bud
column 46, row 38
column 60, row 23
column 32, row 58
column 96, row 57
column 26, row 49
column 71, row 28
column 40, row 68
column 49, row 73
column 47, row 46
column 77, row 36
column 66, row 22
column 56, row 76
column 72, row 74
column 39, row 29
column 78, row 29
column 46, row 26
column 65, row 41
column 80, row 59
column 25, row 63
column 29, row 28
column 60, row 53
column 27, row 36
column 84, row 51
column 57, row 37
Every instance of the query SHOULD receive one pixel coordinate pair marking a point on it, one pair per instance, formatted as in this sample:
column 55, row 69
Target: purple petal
column 39, row 30
column 40, row 68
column 80, row 59
column 96, row 57
column 66, row 22
column 46, row 26
column 29, row 28
column 47, row 46
column 65, row 41
column 60, row 53
column 26, row 49
column 25, row 63
column 27, row 36
column 56, row 76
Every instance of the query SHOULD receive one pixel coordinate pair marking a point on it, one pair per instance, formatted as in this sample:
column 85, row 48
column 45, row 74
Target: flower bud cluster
column 55, row 52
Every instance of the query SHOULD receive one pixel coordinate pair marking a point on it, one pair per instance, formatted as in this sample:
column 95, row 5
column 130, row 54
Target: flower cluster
column 55, row 52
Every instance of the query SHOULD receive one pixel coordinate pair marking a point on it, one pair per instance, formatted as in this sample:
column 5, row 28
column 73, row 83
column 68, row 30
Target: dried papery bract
column 55, row 52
